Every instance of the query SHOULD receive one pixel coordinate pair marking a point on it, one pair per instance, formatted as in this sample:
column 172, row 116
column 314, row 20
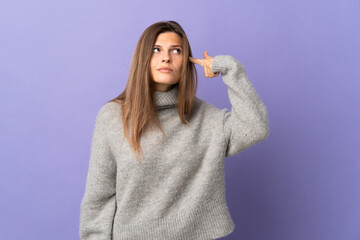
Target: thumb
column 206, row 55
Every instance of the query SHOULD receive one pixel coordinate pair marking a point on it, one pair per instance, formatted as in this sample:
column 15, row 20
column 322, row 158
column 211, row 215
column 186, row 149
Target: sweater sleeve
column 247, row 123
column 98, row 203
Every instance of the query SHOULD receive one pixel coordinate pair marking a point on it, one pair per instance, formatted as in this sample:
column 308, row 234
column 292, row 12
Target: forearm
column 247, row 123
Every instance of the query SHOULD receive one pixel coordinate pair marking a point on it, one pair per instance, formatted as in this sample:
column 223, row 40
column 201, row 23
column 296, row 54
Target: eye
column 155, row 48
column 178, row 50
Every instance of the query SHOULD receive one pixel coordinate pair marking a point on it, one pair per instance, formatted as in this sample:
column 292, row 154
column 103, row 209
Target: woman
column 141, row 185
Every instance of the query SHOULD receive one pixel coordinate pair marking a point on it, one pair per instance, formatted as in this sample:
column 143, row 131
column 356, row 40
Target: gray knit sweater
column 177, row 191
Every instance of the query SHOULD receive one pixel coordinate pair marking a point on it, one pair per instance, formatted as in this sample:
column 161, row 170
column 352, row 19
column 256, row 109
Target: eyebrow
column 171, row 46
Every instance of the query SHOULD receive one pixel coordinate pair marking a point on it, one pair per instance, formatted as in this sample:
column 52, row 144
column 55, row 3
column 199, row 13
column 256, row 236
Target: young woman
column 156, row 169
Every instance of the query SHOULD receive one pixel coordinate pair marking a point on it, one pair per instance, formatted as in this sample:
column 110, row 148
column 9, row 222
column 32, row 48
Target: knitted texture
column 166, row 99
column 177, row 191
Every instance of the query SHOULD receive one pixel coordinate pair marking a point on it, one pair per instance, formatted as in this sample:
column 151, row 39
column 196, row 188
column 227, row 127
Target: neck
column 166, row 99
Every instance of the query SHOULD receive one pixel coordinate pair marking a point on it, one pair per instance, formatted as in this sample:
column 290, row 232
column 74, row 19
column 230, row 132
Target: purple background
column 60, row 61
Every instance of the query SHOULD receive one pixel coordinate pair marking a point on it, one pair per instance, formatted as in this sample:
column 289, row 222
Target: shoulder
column 210, row 110
column 109, row 113
column 110, row 108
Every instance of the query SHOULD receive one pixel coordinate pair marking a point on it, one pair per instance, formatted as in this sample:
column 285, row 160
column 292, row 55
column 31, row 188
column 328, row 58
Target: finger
column 196, row 60
column 207, row 73
column 206, row 54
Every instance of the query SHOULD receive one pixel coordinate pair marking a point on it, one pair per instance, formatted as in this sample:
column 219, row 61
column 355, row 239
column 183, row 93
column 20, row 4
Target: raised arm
column 98, row 203
column 247, row 123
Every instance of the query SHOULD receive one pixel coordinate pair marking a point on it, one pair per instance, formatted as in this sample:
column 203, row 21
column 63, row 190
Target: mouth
column 165, row 70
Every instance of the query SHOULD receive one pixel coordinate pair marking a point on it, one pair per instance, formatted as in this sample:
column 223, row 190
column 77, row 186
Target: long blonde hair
column 137, row 99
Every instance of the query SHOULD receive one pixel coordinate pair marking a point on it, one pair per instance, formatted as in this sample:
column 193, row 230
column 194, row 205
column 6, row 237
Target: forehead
column 168, row 38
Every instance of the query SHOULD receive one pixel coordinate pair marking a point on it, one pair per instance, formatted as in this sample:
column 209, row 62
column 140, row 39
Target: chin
column 166, row 81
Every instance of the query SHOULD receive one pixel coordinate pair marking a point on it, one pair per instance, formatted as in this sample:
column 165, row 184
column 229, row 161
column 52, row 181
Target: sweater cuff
column 223, row 63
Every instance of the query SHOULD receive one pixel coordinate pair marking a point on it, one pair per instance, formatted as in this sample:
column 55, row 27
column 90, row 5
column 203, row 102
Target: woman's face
column 167, row 53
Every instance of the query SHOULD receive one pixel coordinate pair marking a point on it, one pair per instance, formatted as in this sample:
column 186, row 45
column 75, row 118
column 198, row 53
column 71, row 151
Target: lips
column 165, row 69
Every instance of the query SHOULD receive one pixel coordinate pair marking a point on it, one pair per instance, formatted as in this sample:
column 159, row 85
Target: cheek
column 180, row 62
column 152, row 65
column 179, row 67
column 153, row 60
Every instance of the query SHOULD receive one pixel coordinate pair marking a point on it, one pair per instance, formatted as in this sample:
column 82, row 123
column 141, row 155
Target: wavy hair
column 138, row 109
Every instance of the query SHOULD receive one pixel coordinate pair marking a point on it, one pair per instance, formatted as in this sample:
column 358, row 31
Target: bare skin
column 206, row 62
column 166, row 54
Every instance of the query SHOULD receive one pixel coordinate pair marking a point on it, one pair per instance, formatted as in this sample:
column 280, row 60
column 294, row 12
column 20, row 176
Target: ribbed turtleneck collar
column 166, row 99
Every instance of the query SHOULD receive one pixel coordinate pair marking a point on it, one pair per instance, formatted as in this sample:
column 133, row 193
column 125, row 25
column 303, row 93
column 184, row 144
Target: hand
column 206, row 63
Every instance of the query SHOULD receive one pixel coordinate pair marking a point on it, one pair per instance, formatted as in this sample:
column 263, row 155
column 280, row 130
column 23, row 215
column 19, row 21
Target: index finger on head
column 196, row 60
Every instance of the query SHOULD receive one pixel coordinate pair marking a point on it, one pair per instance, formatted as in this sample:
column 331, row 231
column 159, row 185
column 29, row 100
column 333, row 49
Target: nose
column 166, row 58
